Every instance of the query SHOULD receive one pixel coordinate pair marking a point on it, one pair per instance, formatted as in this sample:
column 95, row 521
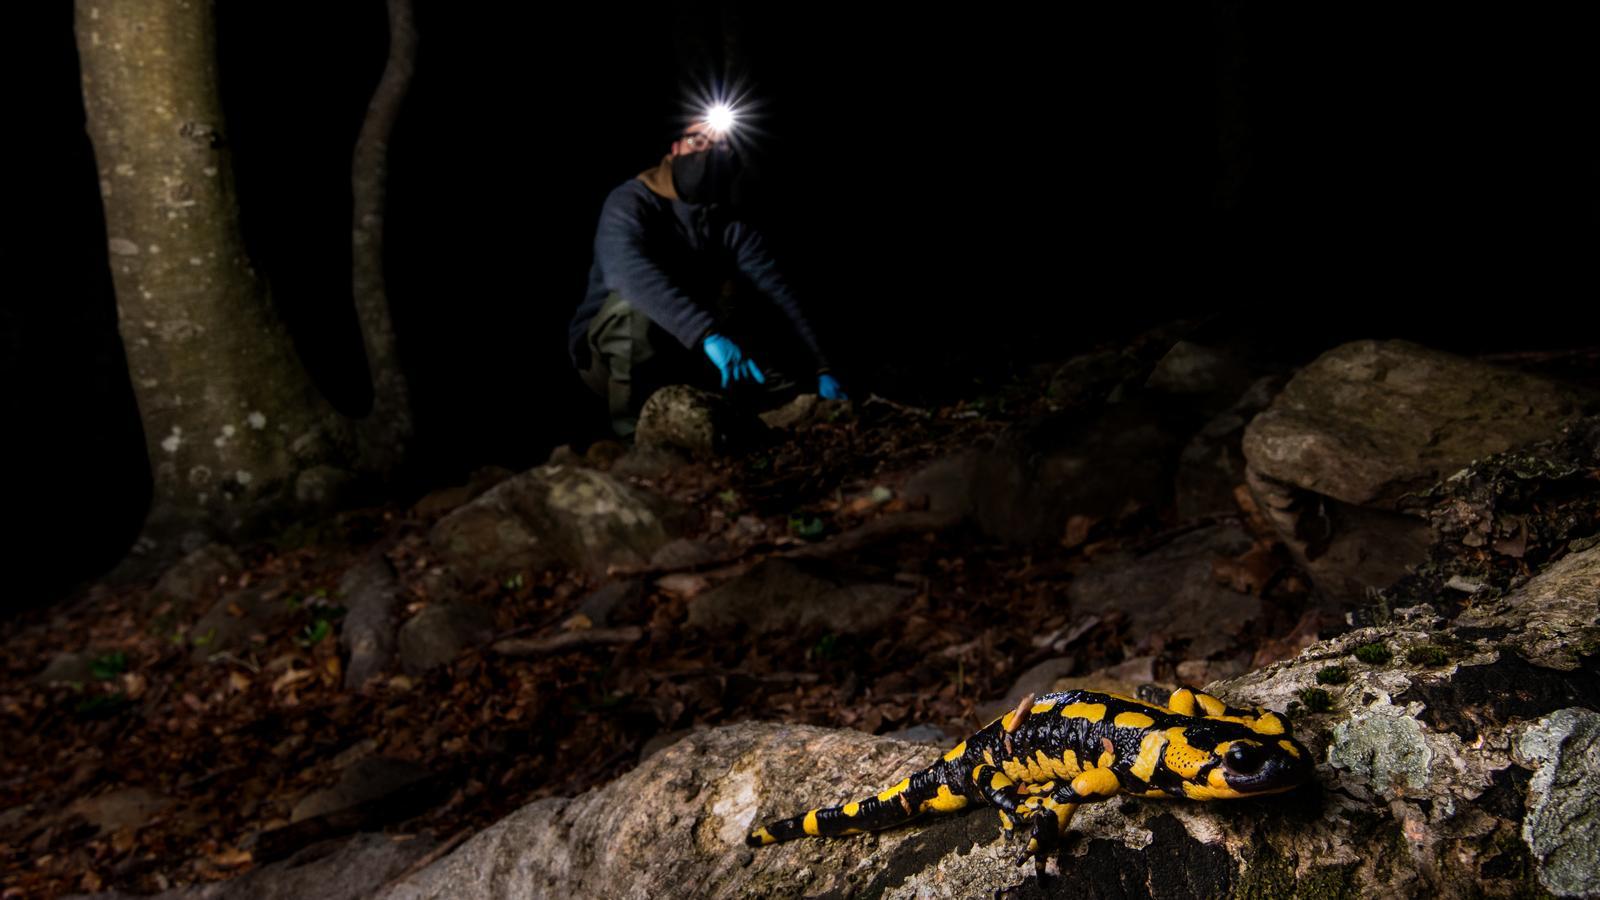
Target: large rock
column 944, row 485
column 697, row 422
column 556, row 515
column 795, row 595
column 1456, row 768
column 1042, row 472
column 1211, row 377
column 1172, row 590
column 1366, row 425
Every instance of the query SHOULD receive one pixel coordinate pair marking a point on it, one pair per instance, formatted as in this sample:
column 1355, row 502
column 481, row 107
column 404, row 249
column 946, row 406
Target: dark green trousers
column 631, row 357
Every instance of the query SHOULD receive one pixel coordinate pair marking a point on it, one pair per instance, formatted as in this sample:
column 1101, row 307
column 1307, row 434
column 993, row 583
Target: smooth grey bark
column 386, row 431
column 230, row 415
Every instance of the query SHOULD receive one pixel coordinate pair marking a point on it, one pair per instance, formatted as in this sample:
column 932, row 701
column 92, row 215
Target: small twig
column 879, row 529
column 901, row 407
column 567, row 640
column 429, row 858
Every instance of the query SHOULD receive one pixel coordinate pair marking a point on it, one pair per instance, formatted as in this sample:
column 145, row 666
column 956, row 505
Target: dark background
column 955, row 193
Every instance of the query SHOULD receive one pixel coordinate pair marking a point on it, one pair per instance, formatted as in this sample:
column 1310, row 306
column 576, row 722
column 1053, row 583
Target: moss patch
column 1333, row 675
column 1373, row 654
column 1427, row 655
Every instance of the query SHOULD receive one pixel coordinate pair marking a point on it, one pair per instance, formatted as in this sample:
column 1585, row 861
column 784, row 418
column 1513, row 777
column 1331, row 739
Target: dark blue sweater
column 670, row 260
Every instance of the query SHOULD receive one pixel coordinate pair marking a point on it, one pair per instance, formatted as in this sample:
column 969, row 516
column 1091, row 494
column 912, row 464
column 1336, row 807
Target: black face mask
column 705, row 177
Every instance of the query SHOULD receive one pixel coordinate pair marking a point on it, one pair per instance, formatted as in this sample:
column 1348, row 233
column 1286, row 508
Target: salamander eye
column 1244, row 758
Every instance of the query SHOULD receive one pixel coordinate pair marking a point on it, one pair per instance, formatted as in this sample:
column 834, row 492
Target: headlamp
column 720, row 118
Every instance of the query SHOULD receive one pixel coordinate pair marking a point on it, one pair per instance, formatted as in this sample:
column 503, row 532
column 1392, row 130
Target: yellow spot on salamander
column 1005, row 821
column 1289, row 748
column 988, row 757
column 1211, row 705
column 897, row 790
column 1043, row 707
column 852, row 808
column 1107, row 759
column 1133, row 720
column 809, row 826
column 945, row 801
column 1268, row 723
column 1094, row 712
column 764, row 836
column 1182, row 702
column 1182, row 758
column 1149, row 755
column 1216, row 788
column 1097, row 783
column 956, row 751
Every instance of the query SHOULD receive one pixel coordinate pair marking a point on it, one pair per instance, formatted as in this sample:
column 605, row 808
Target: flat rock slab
column 347, row 870
column 784, row 595
column 438, row 634
column 366, row 779
column 557, row 515
column 1430, row 782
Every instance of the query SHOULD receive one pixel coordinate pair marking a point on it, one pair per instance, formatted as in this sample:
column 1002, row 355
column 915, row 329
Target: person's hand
column 730, row 360
column 828, row 388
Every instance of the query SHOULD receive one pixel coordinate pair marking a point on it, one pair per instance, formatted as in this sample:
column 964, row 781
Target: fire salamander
column 1038, row 763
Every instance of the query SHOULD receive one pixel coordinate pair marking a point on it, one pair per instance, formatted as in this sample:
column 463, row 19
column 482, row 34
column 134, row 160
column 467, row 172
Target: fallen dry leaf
column 683, row 584
column 229, row 858
column 134, row 684
column 290, row 679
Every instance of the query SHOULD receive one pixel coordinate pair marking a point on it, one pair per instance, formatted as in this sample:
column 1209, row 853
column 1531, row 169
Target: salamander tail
column 922, row 792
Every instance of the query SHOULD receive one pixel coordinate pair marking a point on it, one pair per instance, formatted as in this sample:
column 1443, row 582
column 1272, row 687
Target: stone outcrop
column 1366, row 425
column 557, row 515
column 1456, row 758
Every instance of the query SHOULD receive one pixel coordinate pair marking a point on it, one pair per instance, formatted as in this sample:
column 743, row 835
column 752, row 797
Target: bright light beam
column 720, row 117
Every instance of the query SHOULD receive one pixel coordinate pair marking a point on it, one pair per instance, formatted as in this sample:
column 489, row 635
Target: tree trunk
column 385, row 433
column 230, row 416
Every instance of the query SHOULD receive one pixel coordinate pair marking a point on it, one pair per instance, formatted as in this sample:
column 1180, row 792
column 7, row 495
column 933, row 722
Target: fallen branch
column 567, row 640
column 879, row 529
column 429, row 858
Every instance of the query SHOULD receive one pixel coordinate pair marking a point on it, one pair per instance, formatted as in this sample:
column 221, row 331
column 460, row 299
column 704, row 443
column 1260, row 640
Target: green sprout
column 109, row 665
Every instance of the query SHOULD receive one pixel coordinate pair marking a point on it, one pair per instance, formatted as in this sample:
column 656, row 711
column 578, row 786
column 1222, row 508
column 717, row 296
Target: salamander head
column 1215, row 759
column 1259, row 764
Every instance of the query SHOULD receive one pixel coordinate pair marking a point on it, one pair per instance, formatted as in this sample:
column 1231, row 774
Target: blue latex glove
column 730, row 361
column 828, row 388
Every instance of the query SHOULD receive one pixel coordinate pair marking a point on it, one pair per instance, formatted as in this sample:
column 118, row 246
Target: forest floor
column 164, row 768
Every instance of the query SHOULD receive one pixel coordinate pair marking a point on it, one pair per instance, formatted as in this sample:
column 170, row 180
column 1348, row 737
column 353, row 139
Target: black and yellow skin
column 1039, row 762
